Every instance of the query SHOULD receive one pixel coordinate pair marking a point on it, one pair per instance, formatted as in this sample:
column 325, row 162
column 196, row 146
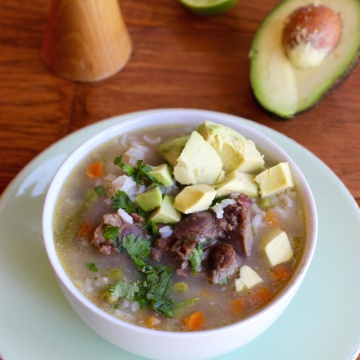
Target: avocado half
column 284, row 90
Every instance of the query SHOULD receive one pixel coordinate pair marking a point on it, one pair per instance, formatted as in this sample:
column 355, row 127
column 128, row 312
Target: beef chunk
column 199, row 227
column 236, row 224
column 222, row 262
column 106, row 246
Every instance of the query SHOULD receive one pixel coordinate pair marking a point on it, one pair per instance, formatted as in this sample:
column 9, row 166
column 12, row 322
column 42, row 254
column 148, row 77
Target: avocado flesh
column 285, row 90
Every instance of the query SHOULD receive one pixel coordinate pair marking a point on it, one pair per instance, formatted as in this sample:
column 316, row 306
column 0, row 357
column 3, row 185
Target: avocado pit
column 310, row 33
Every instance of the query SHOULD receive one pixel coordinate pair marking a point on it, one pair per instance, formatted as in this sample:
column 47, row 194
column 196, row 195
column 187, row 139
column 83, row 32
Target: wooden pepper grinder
column 86, row 40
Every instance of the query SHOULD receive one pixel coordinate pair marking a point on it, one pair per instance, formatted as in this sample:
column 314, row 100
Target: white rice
column 165, row 231
column 125, row 216
column 219, row 207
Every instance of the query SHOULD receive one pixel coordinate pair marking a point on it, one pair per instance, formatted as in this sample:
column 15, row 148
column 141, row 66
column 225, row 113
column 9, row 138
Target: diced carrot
column 272, row 218
column 259, row 296
column 95, row 170
column 86, row 229
column 195, row 321
column 280, row 272
column 237, row 306
column 152, row 321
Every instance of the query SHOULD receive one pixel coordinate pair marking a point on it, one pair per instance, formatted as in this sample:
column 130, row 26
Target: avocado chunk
column 166, row 213
column 162, row 173
column 198, row 163
column 237, row 182
column 170, row 150
column 236, row 152
column 150, row 199
column 283, row 88
column 278, row 248
column 275, row 179
column 194, row 198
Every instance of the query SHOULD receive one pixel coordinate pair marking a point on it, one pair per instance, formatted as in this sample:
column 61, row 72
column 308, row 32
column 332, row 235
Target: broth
column 85, row 199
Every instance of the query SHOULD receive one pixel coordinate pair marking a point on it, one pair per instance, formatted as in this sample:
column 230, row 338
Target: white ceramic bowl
column 170, row 345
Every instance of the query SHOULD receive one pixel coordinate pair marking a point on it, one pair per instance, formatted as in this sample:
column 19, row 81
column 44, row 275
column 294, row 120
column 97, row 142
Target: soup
column 180, row 229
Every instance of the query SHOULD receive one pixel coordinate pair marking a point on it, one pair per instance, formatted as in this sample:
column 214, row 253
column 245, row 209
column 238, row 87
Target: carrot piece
column 152, row 321
column 280, row 272
column 259, row 296
column 95, row 170
column 86, row 229
column 195, row 321
column 272, row 218
column 237, row 306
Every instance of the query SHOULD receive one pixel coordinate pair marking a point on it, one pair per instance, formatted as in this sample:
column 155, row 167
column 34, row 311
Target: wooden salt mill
column 86, row 40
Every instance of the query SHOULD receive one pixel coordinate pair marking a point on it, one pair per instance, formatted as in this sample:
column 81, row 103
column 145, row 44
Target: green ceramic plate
column 37, row 323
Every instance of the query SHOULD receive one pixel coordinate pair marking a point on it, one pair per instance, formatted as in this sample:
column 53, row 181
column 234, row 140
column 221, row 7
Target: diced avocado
column 166, row 213
column 236, row 152
column 278, row 248
column 248, row 278
column 275, row 179
column 150, row 200
column 198, row 163
column 170, row 150
column 194, row 198
column 237, row 182
column 286, row 90
column 162, row 173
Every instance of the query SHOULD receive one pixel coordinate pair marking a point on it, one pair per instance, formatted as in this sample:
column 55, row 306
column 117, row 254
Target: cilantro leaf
column 138, row 248
column 121, row 200
column 195, row 259
column 111, row 232
column 123, row 289
column 155, row 290
column 92, row 267
column 100, row 190
column 139, row 173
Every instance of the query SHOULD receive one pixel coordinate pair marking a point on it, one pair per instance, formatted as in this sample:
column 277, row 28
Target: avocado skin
column 332, row 86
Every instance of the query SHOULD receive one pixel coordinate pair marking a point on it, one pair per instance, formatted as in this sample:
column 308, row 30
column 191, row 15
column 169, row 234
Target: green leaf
column 138, row 248
column 92, row 267
column 123, row 289
column 195, row 259
column 139, row 173
column 121, row 200
column 111, row 232
column 100, row 190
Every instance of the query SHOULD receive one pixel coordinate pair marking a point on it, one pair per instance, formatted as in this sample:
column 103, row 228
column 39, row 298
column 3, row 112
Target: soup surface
column 180, row 229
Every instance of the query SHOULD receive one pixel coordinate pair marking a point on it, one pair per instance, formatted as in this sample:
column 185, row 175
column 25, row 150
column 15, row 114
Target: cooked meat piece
column 236, row 224
column 222, row 262
column 106, row 246
column 183, row 248
column 199, row 227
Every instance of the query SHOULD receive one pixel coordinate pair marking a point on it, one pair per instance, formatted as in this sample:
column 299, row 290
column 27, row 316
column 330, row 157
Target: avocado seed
column 310, row 33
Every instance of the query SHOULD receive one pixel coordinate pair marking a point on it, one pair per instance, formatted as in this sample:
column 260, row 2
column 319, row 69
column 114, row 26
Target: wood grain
column 178, row 60
column 85, row 40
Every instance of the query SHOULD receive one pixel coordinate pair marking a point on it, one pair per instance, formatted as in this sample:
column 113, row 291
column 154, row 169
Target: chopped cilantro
column 116, row 306
column 123, row 289
column 195, row 259
column 139, row 173
column 138, row 248
column 92, row 267
column 100, row 190
column 111, row 232
column 154, row 289
column 121, row 200
column 151, row 227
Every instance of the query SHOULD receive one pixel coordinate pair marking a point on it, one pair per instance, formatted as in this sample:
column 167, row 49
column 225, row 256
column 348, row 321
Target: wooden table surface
column 179, row 60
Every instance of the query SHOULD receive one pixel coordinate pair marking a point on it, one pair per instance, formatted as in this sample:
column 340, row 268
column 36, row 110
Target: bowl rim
column 135, row 122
